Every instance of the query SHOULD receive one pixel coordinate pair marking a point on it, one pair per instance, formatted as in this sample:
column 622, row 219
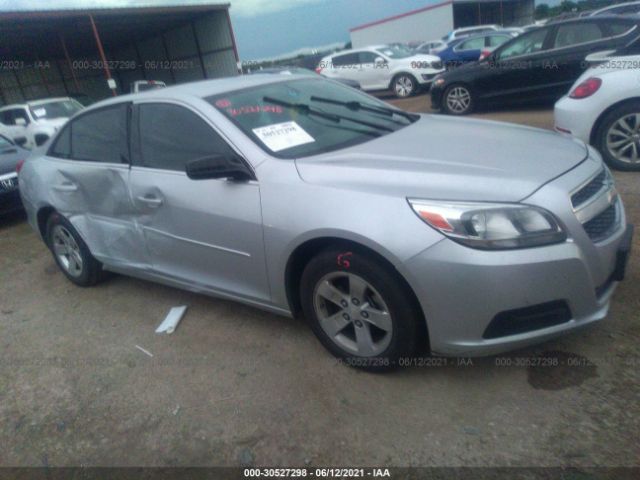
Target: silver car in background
column 392, row 233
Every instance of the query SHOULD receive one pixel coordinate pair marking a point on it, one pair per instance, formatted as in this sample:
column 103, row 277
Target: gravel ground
column 237, row 386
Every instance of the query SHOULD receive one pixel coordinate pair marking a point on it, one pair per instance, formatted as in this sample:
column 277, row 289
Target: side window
column 20, row 113
column 471, row 44
column 6, row 117
column 577, row 33
column 367, row 57
column 62, row 146
column 618, row 28
column 496, row 40
column 348, row 59
column 171, row 136
column 528, row 43
column 101, row 136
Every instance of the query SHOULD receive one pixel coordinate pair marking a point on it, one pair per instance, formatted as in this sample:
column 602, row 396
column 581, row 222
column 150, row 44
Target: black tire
column 453, row 89
column 401, row 82
column 408, row 334
column 600, row 137
column 91, row 271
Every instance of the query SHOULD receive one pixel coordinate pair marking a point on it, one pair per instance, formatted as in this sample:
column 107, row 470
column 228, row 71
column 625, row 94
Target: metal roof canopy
column 32, row 35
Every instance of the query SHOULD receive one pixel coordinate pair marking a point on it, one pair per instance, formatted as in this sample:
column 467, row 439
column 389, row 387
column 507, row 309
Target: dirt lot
column 237, row 386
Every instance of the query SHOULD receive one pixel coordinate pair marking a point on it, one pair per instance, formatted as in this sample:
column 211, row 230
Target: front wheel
column 618, row 137
column 404, row 85
column 457, row 100
column 360, row 310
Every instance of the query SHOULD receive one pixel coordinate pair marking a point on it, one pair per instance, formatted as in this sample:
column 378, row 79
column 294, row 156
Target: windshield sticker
column 235, row 112
column 281, row 136
column 40, row 112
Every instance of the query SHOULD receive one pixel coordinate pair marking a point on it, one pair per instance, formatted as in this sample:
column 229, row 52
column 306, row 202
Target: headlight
column 438, row 81
column 491, row 226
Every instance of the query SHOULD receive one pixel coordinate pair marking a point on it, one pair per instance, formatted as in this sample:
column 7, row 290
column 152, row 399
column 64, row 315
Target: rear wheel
column 618, row 137
column 457, row 100
column 404, row 85
column 71, row 253
column 359, row 310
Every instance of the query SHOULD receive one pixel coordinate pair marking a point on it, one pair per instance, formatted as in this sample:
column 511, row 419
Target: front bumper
column 464, row 291
column 9, row 194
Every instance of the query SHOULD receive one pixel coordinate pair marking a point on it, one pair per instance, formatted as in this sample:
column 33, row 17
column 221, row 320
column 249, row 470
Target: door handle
column 66, row 187
column 153, row 202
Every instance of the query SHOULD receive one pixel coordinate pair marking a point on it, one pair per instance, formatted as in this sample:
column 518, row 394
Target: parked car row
column 543, row 65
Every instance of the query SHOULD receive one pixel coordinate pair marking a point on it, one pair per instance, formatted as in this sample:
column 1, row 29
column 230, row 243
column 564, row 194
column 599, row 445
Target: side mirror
column 217, row 166
column 21, row 122
column 379, row 61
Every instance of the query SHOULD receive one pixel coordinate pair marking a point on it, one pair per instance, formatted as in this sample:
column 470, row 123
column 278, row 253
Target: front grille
column 601, row 225
column 8, row 184
column 589, row 190
column 528, row 319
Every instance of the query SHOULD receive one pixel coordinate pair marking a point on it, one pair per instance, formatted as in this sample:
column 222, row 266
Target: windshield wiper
column 355, row 106
column 308, row 110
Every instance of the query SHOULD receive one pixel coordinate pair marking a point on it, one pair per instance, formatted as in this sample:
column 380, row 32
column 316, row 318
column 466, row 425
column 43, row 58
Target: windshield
column 300, row 118
column 396, row 51
column 57, row 109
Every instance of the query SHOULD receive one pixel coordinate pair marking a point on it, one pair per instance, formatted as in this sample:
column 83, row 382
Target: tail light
column 586, row 88
column 484, row 54
column 319, row 70
column 19, row 165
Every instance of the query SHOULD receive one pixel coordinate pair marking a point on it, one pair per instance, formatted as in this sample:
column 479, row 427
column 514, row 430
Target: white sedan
column 603, row 109
column 383, row 67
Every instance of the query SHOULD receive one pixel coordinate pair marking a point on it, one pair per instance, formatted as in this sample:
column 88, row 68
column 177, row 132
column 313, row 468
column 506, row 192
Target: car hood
column 449, row 158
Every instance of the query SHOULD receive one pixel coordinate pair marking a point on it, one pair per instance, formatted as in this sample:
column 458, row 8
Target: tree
column 542, row 11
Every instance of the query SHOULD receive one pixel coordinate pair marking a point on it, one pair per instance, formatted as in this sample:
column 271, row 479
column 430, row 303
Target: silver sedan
column 392, row 233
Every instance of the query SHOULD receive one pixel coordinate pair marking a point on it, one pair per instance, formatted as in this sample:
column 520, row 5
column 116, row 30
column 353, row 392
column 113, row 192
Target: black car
column 10, row 156
column 539, row 65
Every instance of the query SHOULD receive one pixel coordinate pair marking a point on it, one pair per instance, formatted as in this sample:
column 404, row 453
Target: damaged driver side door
column 88, row 176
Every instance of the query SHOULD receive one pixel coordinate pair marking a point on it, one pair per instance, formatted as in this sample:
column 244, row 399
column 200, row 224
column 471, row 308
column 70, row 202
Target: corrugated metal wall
column 194, row 51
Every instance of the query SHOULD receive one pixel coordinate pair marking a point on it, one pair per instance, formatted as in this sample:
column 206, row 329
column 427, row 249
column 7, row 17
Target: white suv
column 383, row 67
column 31, row 124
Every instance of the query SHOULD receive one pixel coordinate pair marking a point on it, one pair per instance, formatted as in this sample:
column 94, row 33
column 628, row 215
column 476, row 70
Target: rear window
column 293, row 119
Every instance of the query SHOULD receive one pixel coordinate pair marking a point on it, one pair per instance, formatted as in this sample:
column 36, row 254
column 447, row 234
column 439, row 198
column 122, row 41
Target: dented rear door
column 87, row 172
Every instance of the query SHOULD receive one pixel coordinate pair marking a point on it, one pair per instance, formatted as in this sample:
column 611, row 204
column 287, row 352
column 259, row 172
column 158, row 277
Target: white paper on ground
column 171, row 321
column 281, row 136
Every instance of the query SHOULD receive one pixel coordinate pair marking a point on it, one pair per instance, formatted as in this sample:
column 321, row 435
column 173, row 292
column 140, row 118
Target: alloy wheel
column 458, row 99
column 404, row 86
column 353, row 314
column 623, row 138
column 67, row 251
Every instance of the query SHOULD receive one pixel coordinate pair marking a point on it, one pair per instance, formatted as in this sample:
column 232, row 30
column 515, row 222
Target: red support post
column 107, row 72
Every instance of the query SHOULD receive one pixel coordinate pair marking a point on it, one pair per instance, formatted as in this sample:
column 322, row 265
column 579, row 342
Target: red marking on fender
column 223, row 103
column 343, row 259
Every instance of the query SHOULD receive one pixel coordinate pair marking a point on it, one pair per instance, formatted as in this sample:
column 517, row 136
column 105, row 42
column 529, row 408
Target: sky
column 268, row 28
